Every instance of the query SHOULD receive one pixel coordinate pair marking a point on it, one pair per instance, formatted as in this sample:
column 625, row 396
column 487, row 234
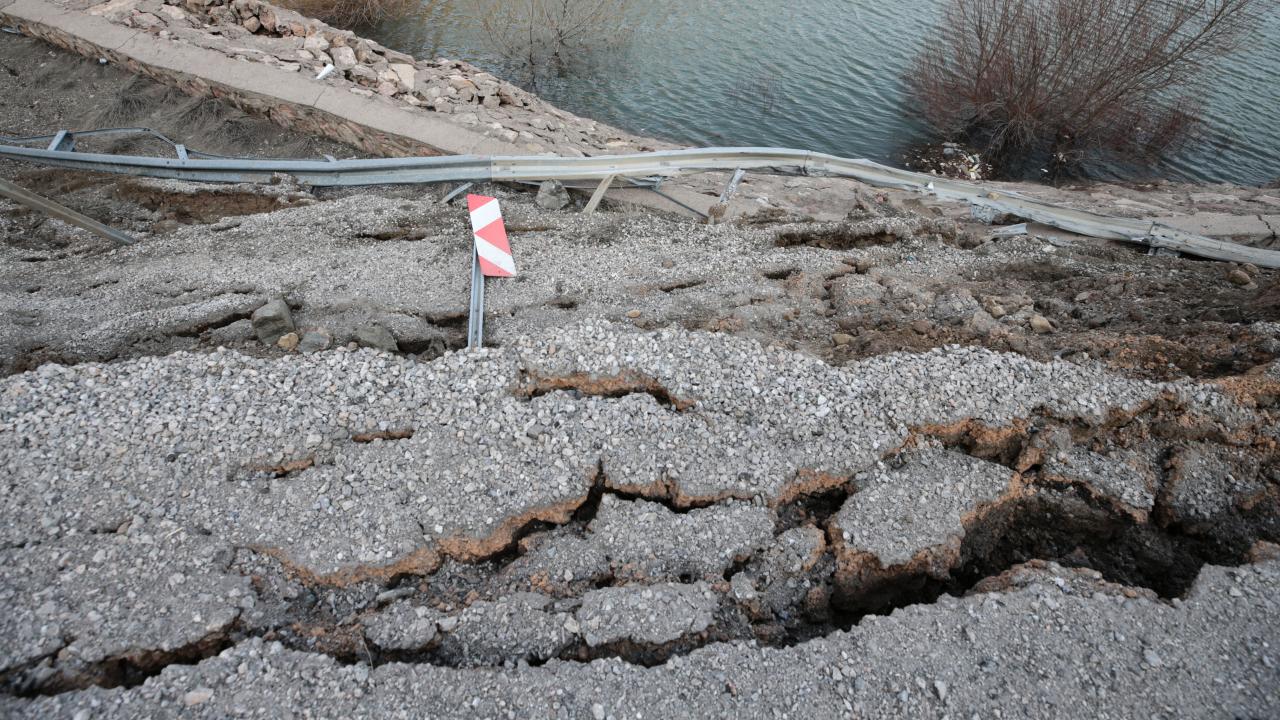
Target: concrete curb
column 374, row 124
column 291, row 99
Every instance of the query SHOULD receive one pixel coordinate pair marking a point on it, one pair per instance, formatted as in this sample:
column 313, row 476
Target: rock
column 388, row 88
column 597, row 711
column 197, row 696
column 377, row 337
column 343, row 57
column 273, row 321
column 314, row 341
column 364, row 75
column 288, row 341
column 251, row 24
column 459, row 83
column 552, row 195
column 1239, row 278
column 842, row 339
column 406, row 74
column 633, row 314
column 364, row 53
column 315, row 44
column 1041, row 325
column 237, row 332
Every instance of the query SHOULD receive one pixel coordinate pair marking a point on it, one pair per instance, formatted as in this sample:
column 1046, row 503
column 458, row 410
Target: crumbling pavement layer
column 532, row 526
column 396, row 268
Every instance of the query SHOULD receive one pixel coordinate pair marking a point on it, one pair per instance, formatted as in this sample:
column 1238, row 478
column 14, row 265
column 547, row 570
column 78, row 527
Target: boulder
column 343, row 57
column 552, row 195
column 406, row 74
column 272, row 321
column 314, row 43
column 363, row 75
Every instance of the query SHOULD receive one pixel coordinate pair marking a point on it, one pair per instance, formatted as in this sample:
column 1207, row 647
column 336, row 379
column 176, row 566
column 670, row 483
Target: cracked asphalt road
column 883, row 467
column 358, row 512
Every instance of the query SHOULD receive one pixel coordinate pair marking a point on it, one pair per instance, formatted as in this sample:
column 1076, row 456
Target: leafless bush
column 350, row 14
column 540, row 36
column 1068, row 81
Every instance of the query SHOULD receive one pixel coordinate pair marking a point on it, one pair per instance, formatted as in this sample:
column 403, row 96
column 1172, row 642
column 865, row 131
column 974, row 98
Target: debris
column 376, row 337
column 552, row 195
column 288, row 341
column 272, row 321
column 314, row 341
column 1011, row 231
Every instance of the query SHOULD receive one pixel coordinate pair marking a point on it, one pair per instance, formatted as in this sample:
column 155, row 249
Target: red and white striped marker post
column 491, row 257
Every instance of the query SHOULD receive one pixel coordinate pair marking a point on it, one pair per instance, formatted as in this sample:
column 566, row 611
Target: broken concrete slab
column 944, row 490
column 519, row 627
column 1127, row 478
column 652, row 615
column 645, row 541
column 1207, row 482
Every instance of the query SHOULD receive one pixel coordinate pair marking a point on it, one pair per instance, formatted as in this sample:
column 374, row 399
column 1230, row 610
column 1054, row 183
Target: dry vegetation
column 1057, row 83
column 350, row 14
column 557, row 36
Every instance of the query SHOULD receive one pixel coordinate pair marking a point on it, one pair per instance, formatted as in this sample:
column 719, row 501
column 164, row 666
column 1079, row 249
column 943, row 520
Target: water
column 823, row 75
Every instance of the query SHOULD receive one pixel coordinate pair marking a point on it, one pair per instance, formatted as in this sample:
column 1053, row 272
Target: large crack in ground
column 645, row 571
column 1041, row 518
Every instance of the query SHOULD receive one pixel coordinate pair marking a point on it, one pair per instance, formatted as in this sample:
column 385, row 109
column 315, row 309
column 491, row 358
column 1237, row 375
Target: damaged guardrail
column 654, row 166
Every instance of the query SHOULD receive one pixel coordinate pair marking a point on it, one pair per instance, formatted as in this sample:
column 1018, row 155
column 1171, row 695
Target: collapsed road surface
column 600, row 521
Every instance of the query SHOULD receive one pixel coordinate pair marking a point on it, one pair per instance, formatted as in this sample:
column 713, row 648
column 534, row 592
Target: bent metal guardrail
column 204, row 167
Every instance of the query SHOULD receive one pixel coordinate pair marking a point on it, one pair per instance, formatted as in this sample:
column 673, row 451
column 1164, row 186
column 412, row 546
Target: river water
column 822, row 75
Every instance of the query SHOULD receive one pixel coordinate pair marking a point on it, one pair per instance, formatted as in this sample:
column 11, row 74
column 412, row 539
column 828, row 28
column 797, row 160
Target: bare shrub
column 559, row 36
column 1066, row 82
column 350, row 14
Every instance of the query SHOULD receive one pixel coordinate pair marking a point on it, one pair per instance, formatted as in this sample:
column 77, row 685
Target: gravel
column 1044, row 649
column 655, row 614
column 639, row 540
column 899, row 512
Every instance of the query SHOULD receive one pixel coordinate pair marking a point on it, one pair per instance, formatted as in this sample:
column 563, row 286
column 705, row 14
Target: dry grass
column 557, row 36
column 351, row 14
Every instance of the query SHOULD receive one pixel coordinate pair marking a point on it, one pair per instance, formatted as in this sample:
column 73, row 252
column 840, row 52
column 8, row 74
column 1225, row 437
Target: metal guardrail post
column 721, row 208
column 475, row 320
